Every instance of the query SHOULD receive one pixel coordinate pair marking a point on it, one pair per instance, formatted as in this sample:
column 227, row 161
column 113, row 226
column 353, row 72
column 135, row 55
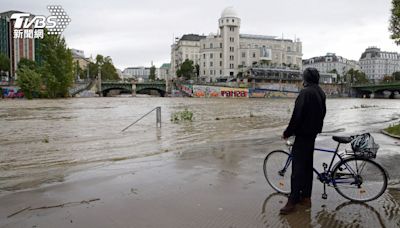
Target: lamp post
column 99, row 80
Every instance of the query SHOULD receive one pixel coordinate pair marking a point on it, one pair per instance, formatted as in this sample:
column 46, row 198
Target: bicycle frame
column 323, row 177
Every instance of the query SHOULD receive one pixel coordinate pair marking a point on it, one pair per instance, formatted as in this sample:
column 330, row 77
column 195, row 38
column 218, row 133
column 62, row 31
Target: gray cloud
column 138, row 32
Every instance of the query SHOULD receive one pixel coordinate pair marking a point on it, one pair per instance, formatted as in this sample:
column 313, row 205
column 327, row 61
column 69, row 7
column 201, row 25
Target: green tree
column 4, row 63
column 186, row 69
column 396, row 76
column 356, row 76
column 394, row 26
column 24, row 62
column 108, row 70
column 30, row 81
column 57, row 66
column 152, row 75
column 334, row 71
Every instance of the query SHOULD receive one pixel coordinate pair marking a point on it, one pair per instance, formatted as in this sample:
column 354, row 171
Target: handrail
column 158, row 117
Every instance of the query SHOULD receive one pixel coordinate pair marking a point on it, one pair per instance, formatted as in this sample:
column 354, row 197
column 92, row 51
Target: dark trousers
column 302, row 168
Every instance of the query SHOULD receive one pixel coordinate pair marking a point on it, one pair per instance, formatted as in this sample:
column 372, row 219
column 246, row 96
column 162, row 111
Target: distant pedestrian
column 306, row 122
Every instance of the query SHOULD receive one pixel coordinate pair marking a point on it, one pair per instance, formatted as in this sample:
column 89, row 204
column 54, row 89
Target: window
column 220, row 45
column 211, row 72
column 231, row 49
column 231, row 57
column 233, row 20
column 211, row 45
column 220, row 55
column 204, row 72
column 211, row 64
column 243, row 55
column 204, row 56
column 254, row 54
column 220, row 72
column 211, row 55
column 231, row 39
column 204, row 64
column 220, row 63
column 204, row 46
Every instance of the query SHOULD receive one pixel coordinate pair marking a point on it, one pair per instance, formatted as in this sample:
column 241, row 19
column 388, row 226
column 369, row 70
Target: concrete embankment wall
column 276, row 90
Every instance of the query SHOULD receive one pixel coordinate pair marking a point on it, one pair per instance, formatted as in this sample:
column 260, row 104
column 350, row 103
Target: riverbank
column 217, row 185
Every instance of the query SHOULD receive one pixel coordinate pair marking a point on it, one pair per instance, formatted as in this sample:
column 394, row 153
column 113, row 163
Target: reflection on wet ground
column 343, row 214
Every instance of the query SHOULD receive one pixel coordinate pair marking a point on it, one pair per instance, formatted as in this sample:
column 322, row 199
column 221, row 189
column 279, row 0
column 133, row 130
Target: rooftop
column 192, row 37
column 229, row 12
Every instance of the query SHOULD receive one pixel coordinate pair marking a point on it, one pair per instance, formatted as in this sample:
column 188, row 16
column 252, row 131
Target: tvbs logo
column 30, row 26
column 22, row 21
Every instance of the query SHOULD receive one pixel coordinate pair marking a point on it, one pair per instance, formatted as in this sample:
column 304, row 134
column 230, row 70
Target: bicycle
column 355, row 176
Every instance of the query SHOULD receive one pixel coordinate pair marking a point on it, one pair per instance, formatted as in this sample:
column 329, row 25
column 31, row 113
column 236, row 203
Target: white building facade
column 164, row 71
column 330, row 62
column 228, row 53
column 136, row 72
column 187, row 47
column 377, row 64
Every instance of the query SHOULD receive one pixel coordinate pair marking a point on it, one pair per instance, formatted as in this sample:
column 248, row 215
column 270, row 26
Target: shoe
column 305, row 202
column 288, row 208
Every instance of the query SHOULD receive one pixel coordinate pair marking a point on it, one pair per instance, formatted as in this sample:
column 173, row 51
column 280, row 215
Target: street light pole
column 99, row 79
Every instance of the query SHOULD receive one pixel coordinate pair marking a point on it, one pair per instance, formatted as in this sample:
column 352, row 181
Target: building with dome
column 377, row 64
column 227, row 53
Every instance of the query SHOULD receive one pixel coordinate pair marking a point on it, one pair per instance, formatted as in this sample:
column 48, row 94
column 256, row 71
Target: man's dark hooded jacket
column 309, row 111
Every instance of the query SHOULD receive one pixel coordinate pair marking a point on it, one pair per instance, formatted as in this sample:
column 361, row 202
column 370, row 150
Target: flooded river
column 42, row 141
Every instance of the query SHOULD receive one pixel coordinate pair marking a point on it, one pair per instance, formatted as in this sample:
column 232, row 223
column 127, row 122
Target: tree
column 334, row 71
column 4, row 63
column 30, row 81
column 57, row 66
column 186, row 69
column 356, row 76
column 387, row 78
column 24, row 62
column 394, row 26
column 108, row 71
column 396, row 76
column 152, row 75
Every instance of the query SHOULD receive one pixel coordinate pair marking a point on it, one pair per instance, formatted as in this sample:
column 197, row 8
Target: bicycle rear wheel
column 359, row 179
column 278, row 170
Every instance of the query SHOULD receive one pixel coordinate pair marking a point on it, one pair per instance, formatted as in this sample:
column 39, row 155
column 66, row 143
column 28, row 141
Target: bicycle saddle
column 342, row 139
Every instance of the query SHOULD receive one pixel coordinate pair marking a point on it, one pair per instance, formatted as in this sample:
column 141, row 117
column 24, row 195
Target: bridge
column 376, row 90
column 133, row 88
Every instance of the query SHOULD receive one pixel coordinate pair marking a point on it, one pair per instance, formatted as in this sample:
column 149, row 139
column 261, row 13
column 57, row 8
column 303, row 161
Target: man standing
column 306, row 122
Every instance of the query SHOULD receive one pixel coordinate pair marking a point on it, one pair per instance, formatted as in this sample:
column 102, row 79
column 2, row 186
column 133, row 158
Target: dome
column 229, row 12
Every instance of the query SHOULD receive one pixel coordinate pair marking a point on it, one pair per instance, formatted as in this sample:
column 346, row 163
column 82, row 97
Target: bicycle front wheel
column 359, row 179
column 278, row 170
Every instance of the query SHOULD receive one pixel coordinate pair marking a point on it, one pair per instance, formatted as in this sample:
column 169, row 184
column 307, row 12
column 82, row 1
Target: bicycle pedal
column 324, row 196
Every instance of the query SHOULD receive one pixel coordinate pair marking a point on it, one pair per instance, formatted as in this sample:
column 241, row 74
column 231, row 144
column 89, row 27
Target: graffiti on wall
column 12, row 92
column 206, row 91
column 234, row 92
column 188, row 89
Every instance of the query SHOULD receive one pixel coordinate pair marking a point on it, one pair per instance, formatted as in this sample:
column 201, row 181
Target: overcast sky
column 136, row 32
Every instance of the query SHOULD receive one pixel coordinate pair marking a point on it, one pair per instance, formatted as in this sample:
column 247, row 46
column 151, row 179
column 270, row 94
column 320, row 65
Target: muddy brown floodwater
column 43, row 142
